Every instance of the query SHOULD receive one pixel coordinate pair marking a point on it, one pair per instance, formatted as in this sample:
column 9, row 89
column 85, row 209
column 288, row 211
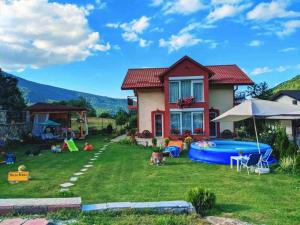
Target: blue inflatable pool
column 221, row 150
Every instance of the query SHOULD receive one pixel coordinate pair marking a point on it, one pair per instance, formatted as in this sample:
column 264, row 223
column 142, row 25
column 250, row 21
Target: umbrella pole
column 256, row 134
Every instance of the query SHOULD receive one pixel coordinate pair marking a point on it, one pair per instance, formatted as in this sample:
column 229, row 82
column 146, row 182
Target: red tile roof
column 229, row 74
column 149, row 77
column 49, row 107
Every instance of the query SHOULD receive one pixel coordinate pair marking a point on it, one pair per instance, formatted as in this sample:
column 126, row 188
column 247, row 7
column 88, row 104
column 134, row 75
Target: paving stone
column 38, row 221
column 64, row 189
column 93, row 159
column 13, row 221
column 66, row 185
column 73, row 179
column 215, row 220
column 78, row 174
column 87, row 166
column 84, row 169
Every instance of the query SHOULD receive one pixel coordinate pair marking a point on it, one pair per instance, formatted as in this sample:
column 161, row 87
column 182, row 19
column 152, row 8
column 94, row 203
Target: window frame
column 192, row 119
column 196, row 79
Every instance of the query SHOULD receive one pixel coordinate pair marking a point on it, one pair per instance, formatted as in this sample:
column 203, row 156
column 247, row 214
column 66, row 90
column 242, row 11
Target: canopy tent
column 257, row 108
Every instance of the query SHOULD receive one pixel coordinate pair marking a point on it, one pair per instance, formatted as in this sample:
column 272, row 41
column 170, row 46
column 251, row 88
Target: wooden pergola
column 59, row 113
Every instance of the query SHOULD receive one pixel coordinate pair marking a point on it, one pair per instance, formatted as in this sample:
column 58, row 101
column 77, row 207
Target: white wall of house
column 287, row 123
column 149, row 100
column 221, row 98
column 287, row 100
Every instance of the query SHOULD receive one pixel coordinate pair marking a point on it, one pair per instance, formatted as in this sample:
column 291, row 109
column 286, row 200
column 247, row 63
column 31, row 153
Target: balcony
column 132, row 102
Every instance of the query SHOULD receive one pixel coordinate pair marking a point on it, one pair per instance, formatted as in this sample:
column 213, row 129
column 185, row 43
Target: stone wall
column 13, row 131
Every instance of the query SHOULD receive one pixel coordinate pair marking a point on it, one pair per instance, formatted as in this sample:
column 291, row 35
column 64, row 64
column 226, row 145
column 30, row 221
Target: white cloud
column 289, row 27
column 157, row 29
column 222, row 11
column 179, row 41
column 100, row 4
column 156, row 2
column 184, row 7
column 255, row 43
column 144, row 43
column 185, row 39
column 298, row 66
column 261, row 70
column 39, row 33
column 290, row 49
column 282, row 68
column 274, row 9
column 133, row 29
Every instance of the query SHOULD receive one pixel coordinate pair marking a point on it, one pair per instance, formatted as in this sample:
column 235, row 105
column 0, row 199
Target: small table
column 238, row 161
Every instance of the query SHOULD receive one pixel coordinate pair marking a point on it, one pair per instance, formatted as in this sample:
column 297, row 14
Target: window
column 198, row 91
column 186, row 88
column 174, row 91
column 295, row 102
column 181, row 121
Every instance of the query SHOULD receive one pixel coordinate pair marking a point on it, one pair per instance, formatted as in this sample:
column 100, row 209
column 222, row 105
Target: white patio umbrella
column 257, row 108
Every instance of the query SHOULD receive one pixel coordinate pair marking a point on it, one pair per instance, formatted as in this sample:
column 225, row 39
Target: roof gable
column 291, row 93
column 182, row 60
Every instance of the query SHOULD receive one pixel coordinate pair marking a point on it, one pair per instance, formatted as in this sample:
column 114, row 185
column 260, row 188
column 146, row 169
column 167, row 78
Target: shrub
column 281, row 143
column 292, row 149
column 227, row 134
column 146, row 134
column 297, row 166
column 167, row 140
column 287, row 164
column 125, row 141
column 132, row 131
column 109, row 129
column 201, row 199
column 154, row 141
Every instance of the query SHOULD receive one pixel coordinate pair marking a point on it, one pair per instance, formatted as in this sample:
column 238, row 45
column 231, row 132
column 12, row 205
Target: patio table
column 238, row 162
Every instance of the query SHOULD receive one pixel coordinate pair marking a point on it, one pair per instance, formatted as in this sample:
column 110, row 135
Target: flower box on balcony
column 185, row 102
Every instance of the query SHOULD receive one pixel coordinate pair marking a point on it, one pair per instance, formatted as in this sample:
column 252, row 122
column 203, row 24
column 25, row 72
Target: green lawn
column 123, row 173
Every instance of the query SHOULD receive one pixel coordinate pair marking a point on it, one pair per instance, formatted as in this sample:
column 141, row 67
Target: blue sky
column 88, row 45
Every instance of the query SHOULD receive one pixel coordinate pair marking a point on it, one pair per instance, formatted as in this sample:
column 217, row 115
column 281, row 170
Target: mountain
column 292, row 84
column 34, row 92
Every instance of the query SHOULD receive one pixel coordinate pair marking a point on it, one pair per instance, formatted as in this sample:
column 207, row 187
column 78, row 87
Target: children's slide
column 71, row 145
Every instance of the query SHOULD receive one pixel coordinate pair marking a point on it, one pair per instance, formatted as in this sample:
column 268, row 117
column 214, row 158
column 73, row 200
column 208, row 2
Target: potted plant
column 187, row 142
column 185, row 102
column 154, row 142
column 157, row 155
column 186, row 133
column 167, row 140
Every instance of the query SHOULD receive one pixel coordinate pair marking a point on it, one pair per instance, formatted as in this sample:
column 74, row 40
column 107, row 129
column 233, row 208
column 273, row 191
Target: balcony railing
column 132, row 102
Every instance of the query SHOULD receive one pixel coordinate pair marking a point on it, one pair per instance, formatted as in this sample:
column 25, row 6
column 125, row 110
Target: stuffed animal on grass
column 88, row 147
column 21, row 168
column 55, row 148
column 10, row 158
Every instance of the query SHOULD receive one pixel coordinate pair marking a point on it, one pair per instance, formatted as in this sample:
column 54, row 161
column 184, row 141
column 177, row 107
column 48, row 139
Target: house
column 184, row 96
column 292, row 126
column 44, row 114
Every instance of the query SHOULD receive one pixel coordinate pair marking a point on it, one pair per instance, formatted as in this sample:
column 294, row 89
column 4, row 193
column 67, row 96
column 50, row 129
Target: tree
column 121, row 117
column 80, row 102
column 10, row 96
column 260, row 91
column 105, row 115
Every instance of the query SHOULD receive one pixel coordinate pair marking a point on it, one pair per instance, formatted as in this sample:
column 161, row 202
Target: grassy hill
column 292, row 84
column 34, row 92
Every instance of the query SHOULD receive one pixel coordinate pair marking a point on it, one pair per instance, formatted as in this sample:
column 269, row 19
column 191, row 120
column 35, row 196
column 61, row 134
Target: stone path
column 18, row 221
column 94, row 158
